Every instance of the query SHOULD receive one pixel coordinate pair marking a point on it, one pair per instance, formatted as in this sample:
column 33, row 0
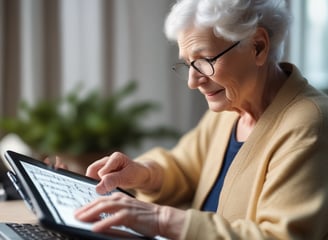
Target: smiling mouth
column 213, row 93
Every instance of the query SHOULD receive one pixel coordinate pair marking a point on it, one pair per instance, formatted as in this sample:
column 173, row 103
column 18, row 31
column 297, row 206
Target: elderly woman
column 256, row 165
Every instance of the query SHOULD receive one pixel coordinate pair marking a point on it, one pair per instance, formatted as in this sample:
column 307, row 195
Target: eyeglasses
column 201, row 65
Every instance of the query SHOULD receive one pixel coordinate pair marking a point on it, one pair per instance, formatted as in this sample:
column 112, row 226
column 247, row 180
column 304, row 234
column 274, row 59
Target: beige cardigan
column 277, row 185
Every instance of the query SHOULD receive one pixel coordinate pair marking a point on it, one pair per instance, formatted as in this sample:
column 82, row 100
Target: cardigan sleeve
column 182, row 165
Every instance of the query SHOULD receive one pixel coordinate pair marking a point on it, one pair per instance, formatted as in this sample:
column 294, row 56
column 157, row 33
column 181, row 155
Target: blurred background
column 50, row 47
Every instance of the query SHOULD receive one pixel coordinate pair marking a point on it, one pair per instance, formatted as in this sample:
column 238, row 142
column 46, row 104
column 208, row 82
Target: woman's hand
column 145, row 218
column 118, row 170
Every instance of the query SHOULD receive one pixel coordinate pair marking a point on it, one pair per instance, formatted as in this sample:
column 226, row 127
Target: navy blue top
column 212, row 201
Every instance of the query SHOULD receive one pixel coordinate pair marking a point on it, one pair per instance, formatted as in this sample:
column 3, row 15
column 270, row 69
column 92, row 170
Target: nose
column 195, row 78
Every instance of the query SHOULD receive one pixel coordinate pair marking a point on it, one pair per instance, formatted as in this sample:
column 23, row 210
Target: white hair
column 233, row 20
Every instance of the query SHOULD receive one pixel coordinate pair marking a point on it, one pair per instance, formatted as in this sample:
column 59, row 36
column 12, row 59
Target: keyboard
column 34, row 232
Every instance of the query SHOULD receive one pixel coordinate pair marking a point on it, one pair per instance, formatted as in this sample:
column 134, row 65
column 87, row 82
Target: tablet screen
column 62, row 194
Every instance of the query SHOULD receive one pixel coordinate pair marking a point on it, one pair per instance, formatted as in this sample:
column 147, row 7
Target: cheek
column 228, row 80
column 231, row 94
column 234, row 76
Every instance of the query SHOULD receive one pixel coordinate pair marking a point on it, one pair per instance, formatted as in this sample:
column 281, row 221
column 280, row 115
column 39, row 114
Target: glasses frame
column 211, row 61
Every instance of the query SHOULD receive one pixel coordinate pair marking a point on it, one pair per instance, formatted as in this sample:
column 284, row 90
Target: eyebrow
column 195, row 51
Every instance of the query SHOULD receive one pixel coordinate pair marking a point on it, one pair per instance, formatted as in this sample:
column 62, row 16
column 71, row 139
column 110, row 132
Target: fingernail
column 100, row 188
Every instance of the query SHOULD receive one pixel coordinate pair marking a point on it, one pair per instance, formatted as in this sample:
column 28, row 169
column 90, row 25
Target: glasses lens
column 182, row 71
column 204, row 67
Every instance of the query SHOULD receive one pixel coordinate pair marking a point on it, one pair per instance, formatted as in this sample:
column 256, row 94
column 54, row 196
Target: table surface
column 16, row 211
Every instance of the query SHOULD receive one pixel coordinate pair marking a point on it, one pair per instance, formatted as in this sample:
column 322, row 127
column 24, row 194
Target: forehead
column 193, row 41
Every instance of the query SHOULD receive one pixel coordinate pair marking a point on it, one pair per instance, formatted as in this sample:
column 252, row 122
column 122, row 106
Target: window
column 308, row 38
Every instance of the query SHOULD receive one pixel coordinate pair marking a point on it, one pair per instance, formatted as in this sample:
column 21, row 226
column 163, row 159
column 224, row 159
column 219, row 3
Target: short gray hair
column 232, row 20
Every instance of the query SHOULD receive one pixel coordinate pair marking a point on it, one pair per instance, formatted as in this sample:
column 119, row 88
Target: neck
column 274, row 79
column 268, row 83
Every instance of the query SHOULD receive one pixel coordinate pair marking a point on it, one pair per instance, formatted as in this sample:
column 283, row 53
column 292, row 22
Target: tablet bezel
column 41, row 209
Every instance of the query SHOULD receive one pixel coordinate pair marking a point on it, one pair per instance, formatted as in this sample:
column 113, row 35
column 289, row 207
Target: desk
column 16, row 211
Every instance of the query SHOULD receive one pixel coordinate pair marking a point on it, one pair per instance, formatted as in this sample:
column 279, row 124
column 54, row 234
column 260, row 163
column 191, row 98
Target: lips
column 209, row 94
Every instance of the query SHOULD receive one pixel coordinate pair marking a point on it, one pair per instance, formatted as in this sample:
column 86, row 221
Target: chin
column 218, row 107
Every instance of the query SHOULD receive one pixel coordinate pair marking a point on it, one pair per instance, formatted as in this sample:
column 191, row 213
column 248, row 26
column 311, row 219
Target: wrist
column 170, row 221
column 153, row 181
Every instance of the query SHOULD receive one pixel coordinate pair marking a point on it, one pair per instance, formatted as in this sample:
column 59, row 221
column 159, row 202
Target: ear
column 261, row 46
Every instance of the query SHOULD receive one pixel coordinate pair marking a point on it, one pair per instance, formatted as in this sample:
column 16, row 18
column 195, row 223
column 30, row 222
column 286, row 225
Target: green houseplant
column 88, row 127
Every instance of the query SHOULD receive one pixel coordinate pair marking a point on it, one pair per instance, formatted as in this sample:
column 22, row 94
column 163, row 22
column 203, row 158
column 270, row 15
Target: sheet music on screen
column 64, row 194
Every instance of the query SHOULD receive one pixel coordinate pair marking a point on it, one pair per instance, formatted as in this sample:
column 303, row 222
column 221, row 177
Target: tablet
column 54, row 195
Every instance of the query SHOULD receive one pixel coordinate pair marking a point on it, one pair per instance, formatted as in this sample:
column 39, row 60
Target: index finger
column 93, row 169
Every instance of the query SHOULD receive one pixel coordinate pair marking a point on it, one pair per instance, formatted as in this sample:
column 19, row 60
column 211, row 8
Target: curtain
column 10, row 55
column 25, row 65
